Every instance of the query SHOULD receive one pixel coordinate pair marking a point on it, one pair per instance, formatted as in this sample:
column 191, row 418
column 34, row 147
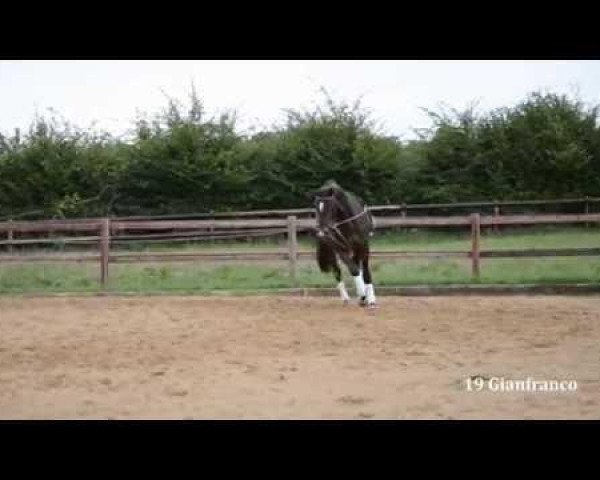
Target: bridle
column 332, row 232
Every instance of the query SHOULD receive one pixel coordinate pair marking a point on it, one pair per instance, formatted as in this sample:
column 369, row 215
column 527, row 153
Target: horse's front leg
column 340, row 284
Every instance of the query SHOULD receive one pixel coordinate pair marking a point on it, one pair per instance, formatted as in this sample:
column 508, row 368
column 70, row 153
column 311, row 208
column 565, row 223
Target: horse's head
column 328, row 202
column 341, row 215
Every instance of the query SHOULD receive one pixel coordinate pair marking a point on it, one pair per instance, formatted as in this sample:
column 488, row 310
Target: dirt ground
column 296, row 358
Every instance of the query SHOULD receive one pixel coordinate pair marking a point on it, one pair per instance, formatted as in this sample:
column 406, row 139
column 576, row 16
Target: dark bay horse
column 344, row 226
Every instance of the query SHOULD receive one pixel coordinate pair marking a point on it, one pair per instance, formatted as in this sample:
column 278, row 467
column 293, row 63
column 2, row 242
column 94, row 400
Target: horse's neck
column 351, row 205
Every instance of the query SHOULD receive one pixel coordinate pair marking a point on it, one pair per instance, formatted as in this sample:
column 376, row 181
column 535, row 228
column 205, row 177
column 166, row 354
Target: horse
column 344, row 225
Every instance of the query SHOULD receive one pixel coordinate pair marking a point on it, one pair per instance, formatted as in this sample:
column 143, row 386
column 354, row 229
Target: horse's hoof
column 362, row 301
column 372, row 306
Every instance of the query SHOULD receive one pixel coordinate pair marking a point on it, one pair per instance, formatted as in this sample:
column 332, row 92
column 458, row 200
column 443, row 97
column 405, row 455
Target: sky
column 108, row 94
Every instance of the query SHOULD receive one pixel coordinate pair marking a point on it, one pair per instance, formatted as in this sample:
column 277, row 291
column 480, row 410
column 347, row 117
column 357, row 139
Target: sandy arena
column 296, row 358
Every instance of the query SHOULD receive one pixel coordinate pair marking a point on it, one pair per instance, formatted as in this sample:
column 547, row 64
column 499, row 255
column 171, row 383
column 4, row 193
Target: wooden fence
column 104, row 232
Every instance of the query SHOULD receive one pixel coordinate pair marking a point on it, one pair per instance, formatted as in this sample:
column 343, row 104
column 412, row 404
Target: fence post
column 211, row 230
column 586, row 209
column 104, row 250
column 496, row 214
column 475, row 234
column 403, row 215
column 292, row 248
column 10, row 236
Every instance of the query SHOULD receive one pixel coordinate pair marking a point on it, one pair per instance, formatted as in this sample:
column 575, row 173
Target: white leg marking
column 370, row 294
column 360, row 285
column 343, row 292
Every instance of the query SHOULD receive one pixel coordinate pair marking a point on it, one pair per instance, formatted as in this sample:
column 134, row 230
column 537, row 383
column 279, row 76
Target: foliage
column 181, row 160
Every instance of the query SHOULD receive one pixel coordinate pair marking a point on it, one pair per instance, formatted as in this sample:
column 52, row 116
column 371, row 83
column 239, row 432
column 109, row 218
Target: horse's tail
column 325, row 256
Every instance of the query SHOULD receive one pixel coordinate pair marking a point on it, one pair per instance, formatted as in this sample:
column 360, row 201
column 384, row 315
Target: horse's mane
column 331, row 184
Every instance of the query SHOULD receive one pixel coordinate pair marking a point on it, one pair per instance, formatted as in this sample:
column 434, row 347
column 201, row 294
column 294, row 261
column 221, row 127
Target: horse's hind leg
column 328, row 262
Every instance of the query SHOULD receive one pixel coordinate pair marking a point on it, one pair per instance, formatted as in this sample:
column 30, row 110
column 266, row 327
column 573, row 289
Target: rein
column 354, row 217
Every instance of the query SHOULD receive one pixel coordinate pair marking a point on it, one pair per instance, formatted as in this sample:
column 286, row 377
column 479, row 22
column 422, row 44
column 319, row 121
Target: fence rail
column 401, row 208
column 259, row 226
